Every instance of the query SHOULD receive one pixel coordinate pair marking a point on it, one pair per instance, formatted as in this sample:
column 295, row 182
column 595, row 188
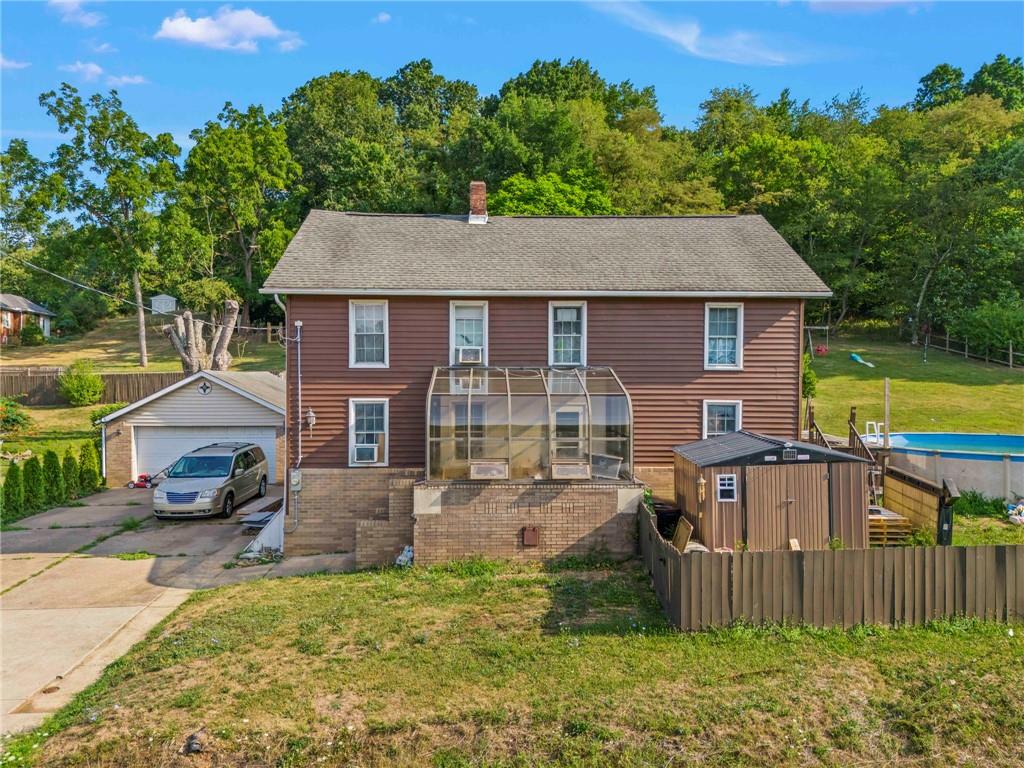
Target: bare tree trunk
column 141, row 314
column 221, row 358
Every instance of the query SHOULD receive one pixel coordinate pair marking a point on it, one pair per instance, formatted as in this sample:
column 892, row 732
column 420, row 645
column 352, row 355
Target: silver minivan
column 212, row 480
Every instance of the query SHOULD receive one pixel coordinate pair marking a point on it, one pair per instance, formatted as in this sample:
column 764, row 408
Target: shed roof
column 263, row 387
column 737, row 447
column 15, row 303
column 353, row 253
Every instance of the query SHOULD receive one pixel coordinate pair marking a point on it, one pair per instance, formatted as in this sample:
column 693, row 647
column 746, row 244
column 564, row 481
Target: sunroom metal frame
column 543, row 373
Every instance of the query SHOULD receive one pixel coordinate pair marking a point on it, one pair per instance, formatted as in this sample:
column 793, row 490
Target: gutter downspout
column 294, row 505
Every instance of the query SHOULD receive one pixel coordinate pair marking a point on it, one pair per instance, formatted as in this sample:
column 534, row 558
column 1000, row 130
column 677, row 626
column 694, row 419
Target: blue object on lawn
column 858, row 359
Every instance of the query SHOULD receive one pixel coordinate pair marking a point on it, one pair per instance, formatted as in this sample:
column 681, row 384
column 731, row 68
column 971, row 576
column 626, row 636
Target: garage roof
column 262, row 387
column 744, row 447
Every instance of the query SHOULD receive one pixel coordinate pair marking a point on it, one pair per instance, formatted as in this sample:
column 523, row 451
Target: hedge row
column 37, row 485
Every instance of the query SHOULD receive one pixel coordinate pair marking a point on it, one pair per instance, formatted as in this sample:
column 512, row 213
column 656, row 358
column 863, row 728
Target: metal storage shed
column 744, row 490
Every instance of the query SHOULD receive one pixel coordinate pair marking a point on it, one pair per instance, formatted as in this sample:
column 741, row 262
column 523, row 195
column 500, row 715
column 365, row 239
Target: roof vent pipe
column 477, row 202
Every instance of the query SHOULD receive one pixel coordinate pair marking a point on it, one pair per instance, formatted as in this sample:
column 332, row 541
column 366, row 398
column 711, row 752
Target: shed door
column 784, row 502
column 159, row 447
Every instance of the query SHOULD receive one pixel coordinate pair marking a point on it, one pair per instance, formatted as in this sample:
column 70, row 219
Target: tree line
column 912, row 213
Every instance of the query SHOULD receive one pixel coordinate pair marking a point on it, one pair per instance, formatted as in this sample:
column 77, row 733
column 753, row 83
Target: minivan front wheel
column 263, row 487
column 228, row 507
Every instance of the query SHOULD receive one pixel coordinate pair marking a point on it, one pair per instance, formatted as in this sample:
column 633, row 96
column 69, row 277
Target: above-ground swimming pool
column 992, row 464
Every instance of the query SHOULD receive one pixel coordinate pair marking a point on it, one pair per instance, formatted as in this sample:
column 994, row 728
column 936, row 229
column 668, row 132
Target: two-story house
column 504, row 385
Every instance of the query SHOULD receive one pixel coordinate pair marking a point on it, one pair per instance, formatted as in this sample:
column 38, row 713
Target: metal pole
column 885, row 440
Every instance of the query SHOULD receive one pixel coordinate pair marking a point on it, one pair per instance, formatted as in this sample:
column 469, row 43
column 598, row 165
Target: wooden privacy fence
column 41, row 388
column 841, row 588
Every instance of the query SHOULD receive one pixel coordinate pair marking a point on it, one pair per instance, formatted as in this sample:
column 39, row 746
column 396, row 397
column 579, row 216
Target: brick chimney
column 477, row 202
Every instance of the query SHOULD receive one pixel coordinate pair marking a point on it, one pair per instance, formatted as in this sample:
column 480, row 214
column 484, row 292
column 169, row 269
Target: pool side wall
column 991, row 474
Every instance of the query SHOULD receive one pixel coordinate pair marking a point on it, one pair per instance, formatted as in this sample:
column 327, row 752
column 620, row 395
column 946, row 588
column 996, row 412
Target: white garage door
column 159, row 447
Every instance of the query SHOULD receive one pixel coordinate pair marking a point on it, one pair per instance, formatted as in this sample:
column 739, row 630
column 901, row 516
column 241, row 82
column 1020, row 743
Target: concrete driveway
column 78, row 589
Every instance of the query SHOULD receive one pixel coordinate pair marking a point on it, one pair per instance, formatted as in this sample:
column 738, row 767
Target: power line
column 130, row 303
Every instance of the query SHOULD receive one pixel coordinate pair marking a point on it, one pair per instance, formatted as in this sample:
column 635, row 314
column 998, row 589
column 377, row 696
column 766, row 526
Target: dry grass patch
column 502, row 665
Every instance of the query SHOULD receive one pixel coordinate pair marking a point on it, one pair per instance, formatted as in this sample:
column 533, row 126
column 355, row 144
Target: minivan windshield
column 201, row 466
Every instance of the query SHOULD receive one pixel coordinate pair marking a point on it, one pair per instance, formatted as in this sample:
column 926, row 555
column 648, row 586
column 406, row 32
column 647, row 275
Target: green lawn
column 976, row 531
column 54, row 427
column 501, row 665
column 947, row 393
column 114, row 346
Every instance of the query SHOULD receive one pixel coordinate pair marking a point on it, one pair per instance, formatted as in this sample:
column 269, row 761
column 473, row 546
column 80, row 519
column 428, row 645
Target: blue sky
column 175, row 64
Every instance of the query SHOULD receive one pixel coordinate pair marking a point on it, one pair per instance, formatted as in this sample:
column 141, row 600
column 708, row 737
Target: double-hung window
column 722, row 416
column 468, row 324
column 723, row 336
column 368, row 432
column 368, row 334
column 567, row 324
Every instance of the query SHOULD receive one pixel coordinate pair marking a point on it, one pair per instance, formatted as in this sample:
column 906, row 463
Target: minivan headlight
column 209, row 493
column 160, row 494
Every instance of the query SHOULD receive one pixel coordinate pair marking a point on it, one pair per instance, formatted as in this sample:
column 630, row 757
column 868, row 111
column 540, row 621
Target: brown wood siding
column 655, row 345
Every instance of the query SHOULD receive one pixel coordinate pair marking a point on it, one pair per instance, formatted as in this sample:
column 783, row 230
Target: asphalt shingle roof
column 336, row 252
column 736, row 446
column 16, row 303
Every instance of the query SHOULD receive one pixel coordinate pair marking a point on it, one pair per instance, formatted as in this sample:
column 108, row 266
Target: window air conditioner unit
column 471, row 355
column 570, row 471
column 366, row 454
column 488, row 470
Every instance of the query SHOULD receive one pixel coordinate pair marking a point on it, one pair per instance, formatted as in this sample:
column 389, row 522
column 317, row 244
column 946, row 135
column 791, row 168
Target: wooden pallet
column 886, row 528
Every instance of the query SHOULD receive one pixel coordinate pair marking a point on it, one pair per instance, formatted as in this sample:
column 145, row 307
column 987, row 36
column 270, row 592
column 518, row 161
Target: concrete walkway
column 69, row 605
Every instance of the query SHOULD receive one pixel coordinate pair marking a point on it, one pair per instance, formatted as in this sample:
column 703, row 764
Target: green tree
column 549, row 195
column 53, row 477
column 88, row 470
column 14, row 495
column 1003, row 79
column 236, row 185
column 80, row 384
column 112, row 175
column 943, row 85
column 35, row 492
column 348, row 144
column 71, row 473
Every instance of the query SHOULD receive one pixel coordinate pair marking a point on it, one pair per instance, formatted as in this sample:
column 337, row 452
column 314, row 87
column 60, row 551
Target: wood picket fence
column 833, row 588
column 40, row 388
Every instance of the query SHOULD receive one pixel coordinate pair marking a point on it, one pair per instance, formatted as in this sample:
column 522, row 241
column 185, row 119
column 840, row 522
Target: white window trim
column 551, row 333
column 452, row 357
column 739, row 414
column 718, row 489
column 739, row 335
column 352, row 402
column 352, row 334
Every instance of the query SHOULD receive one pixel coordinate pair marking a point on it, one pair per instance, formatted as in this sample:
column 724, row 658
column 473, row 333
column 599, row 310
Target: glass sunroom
column 528, row 424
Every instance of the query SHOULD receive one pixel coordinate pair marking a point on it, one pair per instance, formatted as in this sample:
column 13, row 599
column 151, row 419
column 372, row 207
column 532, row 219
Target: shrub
column 53, row 480
column 32, row 336
column 89, row 470
column 974, row 504
column 67, row 324
column 13, row 416
column 104, row 410
column 14, row 496
column 35, row 490
column 809, row 384
column 992, row 326
column 70, row 469
column 80, row 385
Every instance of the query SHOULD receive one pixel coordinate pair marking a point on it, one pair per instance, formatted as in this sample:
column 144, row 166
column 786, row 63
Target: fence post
column 965, row 349
column 268, row 333
column 947, row 340
column 1011, row 354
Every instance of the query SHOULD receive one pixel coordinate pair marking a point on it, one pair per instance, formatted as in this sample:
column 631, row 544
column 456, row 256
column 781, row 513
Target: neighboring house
column 539, row 349
column 206, row 407
column 17, row 311
column 163, row 304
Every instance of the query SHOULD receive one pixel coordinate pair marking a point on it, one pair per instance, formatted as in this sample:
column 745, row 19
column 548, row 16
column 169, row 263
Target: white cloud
column 735, row 47
column 6, row 63
column 72, row 12
column 381, row 18
column 228, row 30
column 87, row 69
column 102, row 48
column 119, row 80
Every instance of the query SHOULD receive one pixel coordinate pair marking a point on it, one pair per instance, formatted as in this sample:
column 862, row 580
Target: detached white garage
column 208, row 407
